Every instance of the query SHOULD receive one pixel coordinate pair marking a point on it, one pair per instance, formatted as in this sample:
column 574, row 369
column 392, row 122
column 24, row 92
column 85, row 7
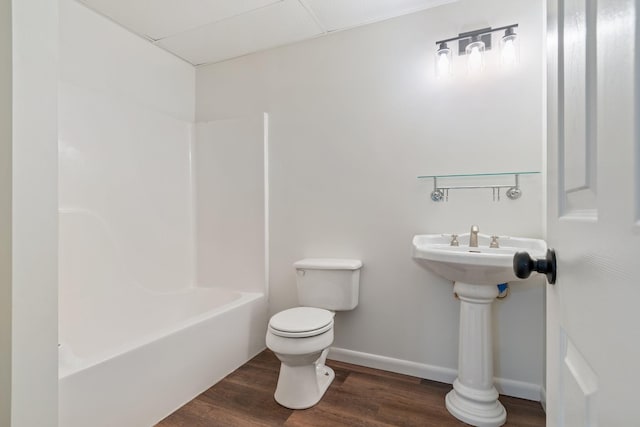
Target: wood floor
column 358, row 396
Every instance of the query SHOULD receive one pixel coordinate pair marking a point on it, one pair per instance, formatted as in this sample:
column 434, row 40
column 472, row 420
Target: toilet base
column 301, row 387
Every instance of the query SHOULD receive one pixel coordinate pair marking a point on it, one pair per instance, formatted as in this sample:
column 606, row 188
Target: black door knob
column 523, row 265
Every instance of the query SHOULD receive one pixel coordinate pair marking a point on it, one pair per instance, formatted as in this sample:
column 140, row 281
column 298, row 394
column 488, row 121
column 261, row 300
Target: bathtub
column 120, row 365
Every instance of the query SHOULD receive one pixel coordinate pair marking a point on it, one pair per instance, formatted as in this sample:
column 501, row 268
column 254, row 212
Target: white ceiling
column 207, row 31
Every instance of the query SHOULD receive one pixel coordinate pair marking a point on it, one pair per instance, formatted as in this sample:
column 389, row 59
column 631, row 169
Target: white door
column 593, row 314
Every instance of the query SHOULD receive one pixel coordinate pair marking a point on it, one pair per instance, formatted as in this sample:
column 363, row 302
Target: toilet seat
column 301, row 322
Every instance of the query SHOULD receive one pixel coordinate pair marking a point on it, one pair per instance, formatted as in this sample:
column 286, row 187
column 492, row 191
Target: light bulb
column 475, row 60
column 508, row 54
column 443, row 64
column 475, row 55
column 443, row 61
column 509, row 49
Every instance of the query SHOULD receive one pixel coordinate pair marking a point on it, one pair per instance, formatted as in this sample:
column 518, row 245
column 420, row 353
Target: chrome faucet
column 473, row 236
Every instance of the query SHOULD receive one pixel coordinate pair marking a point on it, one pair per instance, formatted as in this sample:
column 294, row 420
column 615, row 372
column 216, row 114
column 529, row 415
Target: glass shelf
column 460, row 175
column 440, row 192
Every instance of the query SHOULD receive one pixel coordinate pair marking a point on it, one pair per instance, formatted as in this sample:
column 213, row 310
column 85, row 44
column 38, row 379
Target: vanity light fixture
column 474, row 44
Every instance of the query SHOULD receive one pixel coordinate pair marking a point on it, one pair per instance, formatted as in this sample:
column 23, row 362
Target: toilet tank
column 328, row 283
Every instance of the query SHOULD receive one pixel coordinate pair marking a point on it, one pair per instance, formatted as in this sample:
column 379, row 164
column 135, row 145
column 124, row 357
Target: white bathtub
column 124, row 366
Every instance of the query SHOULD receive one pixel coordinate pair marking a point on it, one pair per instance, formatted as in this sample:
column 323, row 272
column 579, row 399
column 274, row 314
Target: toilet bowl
column 300, row 337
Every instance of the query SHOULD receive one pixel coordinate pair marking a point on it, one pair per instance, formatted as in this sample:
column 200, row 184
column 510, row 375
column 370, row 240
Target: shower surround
column 162, row 288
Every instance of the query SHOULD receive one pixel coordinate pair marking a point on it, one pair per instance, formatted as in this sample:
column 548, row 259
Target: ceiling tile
column 264, row 28
column 161, row 18
column 340, row 14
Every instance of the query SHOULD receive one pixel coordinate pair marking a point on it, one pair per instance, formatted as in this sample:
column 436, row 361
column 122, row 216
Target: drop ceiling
column 208, row 31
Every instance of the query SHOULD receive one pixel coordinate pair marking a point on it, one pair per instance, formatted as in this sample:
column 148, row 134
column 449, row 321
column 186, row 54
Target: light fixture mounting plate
column 464, row 42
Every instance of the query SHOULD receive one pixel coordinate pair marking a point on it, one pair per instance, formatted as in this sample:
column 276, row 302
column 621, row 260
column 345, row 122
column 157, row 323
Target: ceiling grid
column 209, row 31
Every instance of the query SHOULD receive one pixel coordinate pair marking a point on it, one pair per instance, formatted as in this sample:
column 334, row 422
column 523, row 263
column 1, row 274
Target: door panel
column 579, row 387
column 577, row 82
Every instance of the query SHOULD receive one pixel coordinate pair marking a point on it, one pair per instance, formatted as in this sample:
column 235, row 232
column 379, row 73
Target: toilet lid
column 301, row 321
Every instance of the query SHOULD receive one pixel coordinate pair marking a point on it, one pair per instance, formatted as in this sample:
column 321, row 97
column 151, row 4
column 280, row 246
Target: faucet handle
column 454, row 240
column 494, row 242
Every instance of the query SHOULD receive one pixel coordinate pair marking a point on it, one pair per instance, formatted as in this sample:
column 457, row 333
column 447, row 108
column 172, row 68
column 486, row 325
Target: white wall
column 34, row 214
column 126, row 114
column 230, row 203
column 354, row 118
column 5, row 212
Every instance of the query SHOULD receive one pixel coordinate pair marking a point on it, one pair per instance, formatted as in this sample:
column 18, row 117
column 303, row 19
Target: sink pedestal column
column 474, row 399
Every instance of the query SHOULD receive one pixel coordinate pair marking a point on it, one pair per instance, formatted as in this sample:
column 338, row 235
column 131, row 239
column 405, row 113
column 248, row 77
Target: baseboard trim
column 520, row 389
column 543, row 399
column 421, row 370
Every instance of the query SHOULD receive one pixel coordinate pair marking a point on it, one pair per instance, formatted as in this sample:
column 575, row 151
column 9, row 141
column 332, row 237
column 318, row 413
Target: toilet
column 300, row 337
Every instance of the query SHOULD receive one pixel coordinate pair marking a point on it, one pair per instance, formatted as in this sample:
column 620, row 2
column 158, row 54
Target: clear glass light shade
column 475, row 56
column 443, row 62
column 509, row 50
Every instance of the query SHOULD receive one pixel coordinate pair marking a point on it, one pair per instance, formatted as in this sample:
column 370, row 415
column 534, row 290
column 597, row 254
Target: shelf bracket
column 513, row 191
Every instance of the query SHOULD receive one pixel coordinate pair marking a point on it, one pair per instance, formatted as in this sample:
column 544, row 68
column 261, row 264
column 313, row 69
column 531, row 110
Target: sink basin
column 480, row 266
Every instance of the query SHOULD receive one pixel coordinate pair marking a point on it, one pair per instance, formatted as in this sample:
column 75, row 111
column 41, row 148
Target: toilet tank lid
column 328, row 264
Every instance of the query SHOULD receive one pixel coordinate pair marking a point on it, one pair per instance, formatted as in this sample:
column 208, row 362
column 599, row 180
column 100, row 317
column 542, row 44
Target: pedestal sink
column 475, row 271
